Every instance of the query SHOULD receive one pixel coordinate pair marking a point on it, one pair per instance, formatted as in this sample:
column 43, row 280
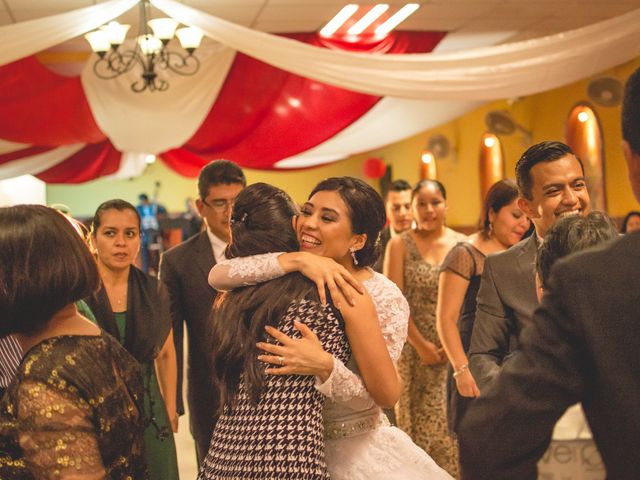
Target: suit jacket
column 385, row 236
column 184, row 270
column 506, row 301
column 582, row 346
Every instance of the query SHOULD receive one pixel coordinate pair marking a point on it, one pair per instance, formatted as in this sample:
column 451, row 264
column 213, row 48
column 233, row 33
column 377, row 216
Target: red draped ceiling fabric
column 48, row 110
column 264, row 114
column 261, row 115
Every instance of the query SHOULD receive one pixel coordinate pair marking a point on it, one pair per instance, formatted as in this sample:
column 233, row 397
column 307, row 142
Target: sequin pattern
column 422, row 409
column 73, row 409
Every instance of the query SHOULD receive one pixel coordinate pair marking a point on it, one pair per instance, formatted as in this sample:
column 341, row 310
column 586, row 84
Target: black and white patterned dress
column 282, row 436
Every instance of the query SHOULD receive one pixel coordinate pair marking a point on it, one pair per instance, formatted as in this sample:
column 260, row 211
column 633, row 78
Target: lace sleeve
column 460, row 261
column 393, row 313
column 346, row 386
column 57, row 435
column 242, row 271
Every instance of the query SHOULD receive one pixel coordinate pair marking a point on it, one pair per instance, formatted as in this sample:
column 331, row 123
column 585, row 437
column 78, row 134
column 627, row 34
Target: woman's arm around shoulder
column 242, row 271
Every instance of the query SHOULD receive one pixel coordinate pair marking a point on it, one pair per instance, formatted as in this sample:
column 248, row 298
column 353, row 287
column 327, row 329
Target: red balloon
column 374, row 168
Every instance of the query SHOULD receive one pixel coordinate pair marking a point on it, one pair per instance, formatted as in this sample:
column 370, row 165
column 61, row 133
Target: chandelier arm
column 124, row 62
column 184, row 65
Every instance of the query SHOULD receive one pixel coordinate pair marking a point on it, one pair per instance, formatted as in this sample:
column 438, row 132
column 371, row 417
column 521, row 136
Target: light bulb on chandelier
column 150, row 52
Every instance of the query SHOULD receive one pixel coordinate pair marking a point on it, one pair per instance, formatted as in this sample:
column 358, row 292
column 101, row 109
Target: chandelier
column 150, row 52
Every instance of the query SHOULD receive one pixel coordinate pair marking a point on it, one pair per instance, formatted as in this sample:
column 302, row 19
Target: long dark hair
column 366, row 211
column 501, row 194
column 260, row 223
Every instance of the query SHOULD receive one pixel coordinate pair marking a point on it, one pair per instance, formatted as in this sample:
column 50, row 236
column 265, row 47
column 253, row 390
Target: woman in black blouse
column 503, row 225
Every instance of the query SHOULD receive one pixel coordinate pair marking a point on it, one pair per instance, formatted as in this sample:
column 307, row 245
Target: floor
column 186, row 449
column 187, row 463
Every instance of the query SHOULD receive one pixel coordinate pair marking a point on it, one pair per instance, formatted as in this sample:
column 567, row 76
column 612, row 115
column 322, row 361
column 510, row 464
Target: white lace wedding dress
column 360, row 444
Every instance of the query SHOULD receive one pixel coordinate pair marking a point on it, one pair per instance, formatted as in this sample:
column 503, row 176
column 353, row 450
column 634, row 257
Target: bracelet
column 463, row 368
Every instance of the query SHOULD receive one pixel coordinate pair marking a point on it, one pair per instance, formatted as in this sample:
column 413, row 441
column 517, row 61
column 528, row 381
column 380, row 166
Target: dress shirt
column 10, row 356
column 218, row 245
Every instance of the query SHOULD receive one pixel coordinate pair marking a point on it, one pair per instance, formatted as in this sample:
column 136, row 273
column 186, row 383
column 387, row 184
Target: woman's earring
column 490, row 229
column 352, row 251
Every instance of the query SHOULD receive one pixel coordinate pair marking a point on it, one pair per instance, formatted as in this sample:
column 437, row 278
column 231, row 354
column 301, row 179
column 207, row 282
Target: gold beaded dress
column 74, row 407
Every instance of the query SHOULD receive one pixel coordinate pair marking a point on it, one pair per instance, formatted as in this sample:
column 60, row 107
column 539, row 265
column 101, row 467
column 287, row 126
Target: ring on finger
column 282, row 361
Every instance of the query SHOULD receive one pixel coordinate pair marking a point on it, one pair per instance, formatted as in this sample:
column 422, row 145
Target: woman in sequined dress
column 413, row 263
column 74, row 407
column 341, row 220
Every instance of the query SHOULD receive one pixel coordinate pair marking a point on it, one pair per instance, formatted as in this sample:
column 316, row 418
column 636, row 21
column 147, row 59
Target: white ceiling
column 524, row 18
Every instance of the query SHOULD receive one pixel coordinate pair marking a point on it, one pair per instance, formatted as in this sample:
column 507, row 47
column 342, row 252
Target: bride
column 341, row 221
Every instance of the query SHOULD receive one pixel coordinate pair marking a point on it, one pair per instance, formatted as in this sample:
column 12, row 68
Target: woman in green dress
column 134, row 308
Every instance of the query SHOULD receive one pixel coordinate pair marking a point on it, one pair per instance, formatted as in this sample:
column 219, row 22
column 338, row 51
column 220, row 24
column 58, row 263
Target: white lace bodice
column 347, row 397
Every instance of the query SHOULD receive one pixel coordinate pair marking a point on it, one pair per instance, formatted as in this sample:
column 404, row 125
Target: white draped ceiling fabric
column 490, row 73
column 140, row 123
column 420, row 90
column 26, row 38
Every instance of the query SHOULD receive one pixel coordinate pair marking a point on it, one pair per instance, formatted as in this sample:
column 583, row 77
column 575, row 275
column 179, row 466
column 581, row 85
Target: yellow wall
column 543, row 114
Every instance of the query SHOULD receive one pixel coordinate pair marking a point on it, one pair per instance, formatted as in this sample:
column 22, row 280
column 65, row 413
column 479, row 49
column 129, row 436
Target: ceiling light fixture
column 396, row 19
column 149, row 53
column 336, row 22
column 368, row 18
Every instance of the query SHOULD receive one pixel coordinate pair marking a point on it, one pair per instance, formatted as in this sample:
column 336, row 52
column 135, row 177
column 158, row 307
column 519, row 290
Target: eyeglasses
column 219, row 204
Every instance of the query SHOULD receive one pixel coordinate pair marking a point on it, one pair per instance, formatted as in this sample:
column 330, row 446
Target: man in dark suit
column 398, row 208
column 552, row 184
column 184, row 270
column 582, row 346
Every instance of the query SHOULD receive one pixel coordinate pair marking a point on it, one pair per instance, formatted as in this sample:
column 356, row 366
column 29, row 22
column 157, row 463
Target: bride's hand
column 303, row 356
column 323, row 272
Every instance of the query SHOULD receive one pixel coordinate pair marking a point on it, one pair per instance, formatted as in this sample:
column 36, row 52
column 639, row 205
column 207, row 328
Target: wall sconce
column 491, row 162
column 428, row 167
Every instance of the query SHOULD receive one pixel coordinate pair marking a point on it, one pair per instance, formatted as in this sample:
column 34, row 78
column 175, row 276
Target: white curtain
column 26, row 38
column 38, row 163
column 153, row 122
column 24, row 189
column 509, row 70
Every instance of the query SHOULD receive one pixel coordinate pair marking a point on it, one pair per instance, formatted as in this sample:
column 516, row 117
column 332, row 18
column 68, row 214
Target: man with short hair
column 552, row 185
column 184, row 270
column 583, row 345
column 398, row 208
